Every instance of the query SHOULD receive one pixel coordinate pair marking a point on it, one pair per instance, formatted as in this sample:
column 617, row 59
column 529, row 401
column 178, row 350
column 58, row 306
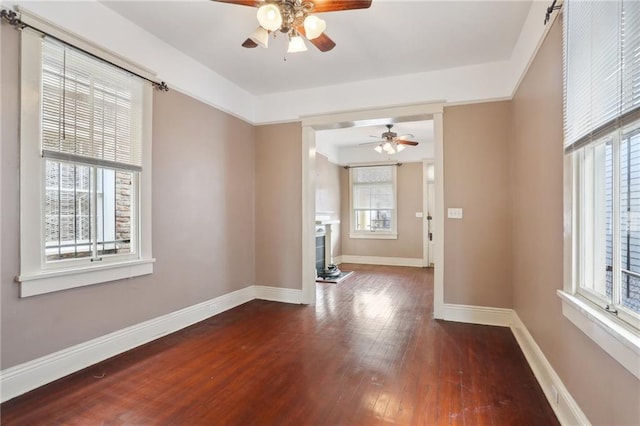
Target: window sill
column 50, row 281
column 618, row 340
column 375, row 235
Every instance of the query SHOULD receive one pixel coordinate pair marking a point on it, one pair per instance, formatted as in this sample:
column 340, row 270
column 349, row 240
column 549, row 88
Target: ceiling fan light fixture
column 260, row 36
column 378, row 149
column 296, row 44
column 399, row 147
column 387, row 146
column 269, row 17
column 314, row 26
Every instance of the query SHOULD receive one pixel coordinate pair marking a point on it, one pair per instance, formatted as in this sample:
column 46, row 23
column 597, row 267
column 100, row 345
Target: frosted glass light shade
column 387, row 146
column 296, row 44
column 260, row 36
column 314, row 26
column 269, row 17
column 378, row 149
column 400, row 147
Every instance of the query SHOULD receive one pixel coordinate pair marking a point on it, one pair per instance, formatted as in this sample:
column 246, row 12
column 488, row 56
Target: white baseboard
column 337, row 259
column 277, row 294
column 377, row 260
column 565, row 407
column 477, row 314
column 24, row 377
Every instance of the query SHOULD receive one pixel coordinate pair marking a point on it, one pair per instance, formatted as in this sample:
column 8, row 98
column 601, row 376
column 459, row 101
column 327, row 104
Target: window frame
column 616, row 334
column 391, row 234
column 37, row 276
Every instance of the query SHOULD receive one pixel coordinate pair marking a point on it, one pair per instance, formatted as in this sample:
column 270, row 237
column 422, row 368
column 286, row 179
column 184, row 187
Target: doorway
column 309, row 126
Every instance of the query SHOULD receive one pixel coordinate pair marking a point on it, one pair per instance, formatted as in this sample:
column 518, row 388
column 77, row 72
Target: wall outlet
column 454, row 213
column 419, row 214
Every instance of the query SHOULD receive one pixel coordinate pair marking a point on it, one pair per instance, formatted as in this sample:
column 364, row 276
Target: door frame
column 429, row 111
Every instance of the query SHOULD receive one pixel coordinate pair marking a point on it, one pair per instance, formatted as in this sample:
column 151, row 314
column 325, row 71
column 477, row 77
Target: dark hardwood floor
column 368, row 352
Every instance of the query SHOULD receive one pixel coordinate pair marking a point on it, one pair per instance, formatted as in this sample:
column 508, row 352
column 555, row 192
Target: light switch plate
column 454, row 213
column 419, row 214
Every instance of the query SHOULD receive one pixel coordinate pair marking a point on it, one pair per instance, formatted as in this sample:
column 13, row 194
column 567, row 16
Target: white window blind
column 91, row 111
column 373, row 188
column 602, row 66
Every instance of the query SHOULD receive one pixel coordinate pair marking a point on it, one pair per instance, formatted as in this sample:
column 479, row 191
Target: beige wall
column 409, row 242
column 328, row 196
column 477, row 249
column 606, row 392
column 278, row 193
column 203, row 230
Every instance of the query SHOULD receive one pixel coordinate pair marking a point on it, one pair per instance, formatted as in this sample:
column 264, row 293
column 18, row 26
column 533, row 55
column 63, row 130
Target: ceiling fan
column 391, row 142
column 294, row 18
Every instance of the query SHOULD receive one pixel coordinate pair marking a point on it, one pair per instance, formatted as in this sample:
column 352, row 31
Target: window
column 85, row 169
column 602, row 164
column 373, row 202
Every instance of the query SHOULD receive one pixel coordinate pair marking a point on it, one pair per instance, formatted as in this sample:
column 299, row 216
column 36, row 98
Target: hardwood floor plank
column 368, row 353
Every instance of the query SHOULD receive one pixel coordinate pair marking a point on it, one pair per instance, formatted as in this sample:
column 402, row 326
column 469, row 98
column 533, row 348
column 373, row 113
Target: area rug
column 335, row 280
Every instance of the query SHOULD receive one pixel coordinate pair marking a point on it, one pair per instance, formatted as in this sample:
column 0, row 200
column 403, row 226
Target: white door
column 428, row 212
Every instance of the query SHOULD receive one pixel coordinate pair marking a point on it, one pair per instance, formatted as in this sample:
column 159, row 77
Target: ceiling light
column 269, row 17
column 314, row 26
column 260, row 36
column 378, row 149
column 387, row 146
column 399, row 147
column 296, row 44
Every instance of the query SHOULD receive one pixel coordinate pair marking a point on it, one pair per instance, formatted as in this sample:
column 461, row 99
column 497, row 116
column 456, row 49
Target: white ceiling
column 391, row 38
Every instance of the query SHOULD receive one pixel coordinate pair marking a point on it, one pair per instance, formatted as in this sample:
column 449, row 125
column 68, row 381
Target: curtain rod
column 372, row 165
column 12, row 18
column 550, row 10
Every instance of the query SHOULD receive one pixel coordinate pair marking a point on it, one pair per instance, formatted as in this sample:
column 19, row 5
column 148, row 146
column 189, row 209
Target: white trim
column 565, row 407
column 373, row 235
column 438, row 244
column 620, row 342
column 22, row 378
column 308, row 243
column 378, row 260
column 277, row 294
column 56, row 280
column 483, row 315
column 337, row 260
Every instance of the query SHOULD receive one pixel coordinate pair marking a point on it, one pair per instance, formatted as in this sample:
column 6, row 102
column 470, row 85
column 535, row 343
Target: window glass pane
column 115, row 211
column 67, row 211
column 630, row 220
column 76, row 218
column 596, row 227
column 371, row 220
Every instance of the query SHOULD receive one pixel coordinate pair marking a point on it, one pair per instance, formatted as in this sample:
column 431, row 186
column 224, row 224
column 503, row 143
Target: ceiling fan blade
column 323, row 42
column 370, row 143
column 404, row 142
column 252, row 3
column 406, row 135
column 249, row 44
column 335, row 5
